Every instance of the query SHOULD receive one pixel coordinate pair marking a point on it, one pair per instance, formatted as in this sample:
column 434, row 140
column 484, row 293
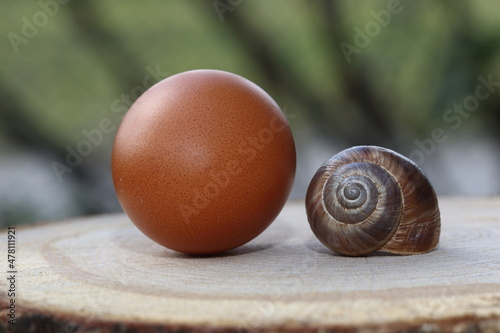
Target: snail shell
column 369, row 198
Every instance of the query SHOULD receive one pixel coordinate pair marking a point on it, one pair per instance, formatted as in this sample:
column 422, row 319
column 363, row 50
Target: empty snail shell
column 368, row 199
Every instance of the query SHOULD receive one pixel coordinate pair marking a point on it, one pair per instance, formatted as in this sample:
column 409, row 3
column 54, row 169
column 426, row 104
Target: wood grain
column 100, row 274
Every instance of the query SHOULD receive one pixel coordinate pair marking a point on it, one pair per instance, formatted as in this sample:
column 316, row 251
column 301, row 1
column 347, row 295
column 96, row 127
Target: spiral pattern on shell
column 370, row 198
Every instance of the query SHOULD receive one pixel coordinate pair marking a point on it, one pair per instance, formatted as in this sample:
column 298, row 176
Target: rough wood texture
column 100, row 274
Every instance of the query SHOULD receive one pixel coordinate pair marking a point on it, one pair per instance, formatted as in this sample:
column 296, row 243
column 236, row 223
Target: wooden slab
column 100, row 274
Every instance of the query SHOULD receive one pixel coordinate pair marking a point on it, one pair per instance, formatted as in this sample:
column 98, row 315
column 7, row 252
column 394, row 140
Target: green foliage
column 65, row 76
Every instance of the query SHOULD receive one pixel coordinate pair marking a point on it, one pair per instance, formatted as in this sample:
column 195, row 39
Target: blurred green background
column 419, row 77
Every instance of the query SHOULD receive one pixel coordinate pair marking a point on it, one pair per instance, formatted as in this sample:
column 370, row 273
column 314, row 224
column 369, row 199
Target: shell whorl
column 370, row 198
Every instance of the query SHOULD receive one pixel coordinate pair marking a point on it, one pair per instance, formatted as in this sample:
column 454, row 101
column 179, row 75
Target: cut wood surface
column 100, row 274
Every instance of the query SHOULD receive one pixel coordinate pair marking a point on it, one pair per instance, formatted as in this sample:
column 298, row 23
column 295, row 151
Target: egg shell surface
column 203, row 161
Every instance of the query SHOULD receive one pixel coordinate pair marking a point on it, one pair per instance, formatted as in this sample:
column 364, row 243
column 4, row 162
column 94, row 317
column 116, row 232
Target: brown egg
column 203, row 161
